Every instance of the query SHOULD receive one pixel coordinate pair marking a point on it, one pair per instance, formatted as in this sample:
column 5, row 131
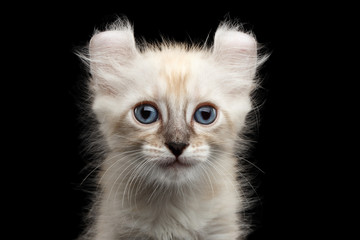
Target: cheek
column 219, row 137
column 126, row 134
column 198, row 151
column 152, row 146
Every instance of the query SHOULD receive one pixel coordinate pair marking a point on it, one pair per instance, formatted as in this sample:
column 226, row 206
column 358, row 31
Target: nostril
column 176, row 148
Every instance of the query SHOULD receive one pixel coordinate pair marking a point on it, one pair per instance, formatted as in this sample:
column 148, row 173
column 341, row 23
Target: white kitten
column 170, row 117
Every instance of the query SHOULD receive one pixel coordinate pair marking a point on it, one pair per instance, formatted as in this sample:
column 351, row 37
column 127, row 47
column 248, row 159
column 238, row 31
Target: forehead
column 174, row 72
column 178, row 73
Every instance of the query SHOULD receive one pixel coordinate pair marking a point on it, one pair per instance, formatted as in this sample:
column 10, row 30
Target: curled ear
column 115, row 44
column 110, row 52
column 236, row 50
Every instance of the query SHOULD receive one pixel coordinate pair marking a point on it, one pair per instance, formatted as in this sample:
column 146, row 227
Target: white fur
column 137, row 199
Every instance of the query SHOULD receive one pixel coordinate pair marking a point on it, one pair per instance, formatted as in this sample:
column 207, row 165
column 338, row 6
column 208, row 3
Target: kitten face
column 176, row 143
column 173, row 114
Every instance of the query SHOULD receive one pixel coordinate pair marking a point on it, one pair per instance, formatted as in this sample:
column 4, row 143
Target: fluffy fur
column 137, row 198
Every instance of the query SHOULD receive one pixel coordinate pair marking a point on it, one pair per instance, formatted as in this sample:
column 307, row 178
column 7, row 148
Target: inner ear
column 230, row 41
column 119, row 44
column 111, row 53
column 236, row 49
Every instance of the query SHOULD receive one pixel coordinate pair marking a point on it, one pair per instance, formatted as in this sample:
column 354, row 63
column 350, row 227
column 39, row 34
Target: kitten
column 170, row 117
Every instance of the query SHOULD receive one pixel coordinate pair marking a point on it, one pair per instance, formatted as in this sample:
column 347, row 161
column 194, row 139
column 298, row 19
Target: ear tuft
column 110, row 54
column 120, row 44
column 236, row 50
column 227, row 40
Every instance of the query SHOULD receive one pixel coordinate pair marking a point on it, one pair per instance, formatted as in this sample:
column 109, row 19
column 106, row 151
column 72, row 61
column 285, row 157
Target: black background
column 293, row 140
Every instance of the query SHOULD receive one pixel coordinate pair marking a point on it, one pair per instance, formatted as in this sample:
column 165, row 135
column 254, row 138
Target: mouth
column 175, row 164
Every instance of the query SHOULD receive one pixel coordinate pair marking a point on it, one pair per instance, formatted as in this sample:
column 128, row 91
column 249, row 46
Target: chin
column 179, row 171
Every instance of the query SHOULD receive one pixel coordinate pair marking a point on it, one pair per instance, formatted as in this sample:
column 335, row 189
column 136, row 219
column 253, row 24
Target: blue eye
column 205, row 115
column 146, row 114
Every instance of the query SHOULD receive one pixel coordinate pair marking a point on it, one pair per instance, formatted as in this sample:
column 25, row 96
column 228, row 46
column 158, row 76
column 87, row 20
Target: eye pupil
column 205, row 115
column 146, row 114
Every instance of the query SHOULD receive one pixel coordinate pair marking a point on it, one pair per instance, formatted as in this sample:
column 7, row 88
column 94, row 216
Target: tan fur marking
column 176, row 71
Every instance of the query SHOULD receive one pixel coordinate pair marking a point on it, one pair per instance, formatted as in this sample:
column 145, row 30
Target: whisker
column 129, row 139
column 226, row 174
column 144, row 175
column 120, row 160
column 153, row 192
column 120, row 175
column 134, row 177
column 208, row 178
column 244, row 177
column 238, row 157
column 130, row 177
column 102, row 163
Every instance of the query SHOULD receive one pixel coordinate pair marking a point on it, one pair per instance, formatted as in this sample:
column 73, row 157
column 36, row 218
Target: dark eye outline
column 154, row 116
column 197, row 115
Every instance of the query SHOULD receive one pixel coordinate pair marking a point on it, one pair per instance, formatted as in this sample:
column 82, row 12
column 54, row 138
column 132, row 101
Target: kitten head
column 172, row 112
